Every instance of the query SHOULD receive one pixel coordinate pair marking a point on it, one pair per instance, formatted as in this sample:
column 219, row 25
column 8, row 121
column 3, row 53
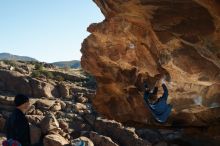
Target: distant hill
column 71, row 64
column 7, row 56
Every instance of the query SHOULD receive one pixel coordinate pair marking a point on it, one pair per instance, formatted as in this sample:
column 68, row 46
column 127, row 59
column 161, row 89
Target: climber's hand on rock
column 163, row 81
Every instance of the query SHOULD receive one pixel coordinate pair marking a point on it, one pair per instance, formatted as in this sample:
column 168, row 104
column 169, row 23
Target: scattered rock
column 43, row 89
column 56, row 107
column 63, row 90
column 75, row 134
column 63, row 125
column 89, row 118
column 80, row 106
column 153, row 136
column 118, row 133
column 63, row 105
column 49, row 124
column 35, row 133
column 69, row 106
column 35, row 119
column 100, row 140
column 44, row 104
column 55, row 140
column 82, row 99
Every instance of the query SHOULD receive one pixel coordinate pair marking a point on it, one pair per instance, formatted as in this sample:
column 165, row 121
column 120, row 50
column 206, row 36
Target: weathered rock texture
column 145, row 39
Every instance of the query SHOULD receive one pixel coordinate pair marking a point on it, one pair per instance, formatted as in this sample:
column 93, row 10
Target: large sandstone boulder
column 143, row 40
column 63, row 90
column 35, row 119
column 100, row 140
column 49, row 124
column 44, row 104
column 80, row 106
column 197, row 116
column 16, row 82
column 119, row 133
column 82, row 99
column 56, row 107
column 43, row 89
column 55, row 140
column 63, row 125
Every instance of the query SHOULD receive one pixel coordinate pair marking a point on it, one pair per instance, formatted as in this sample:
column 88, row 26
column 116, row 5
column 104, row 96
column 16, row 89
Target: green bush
column 48, row 74
column 35, row 74
column 10, row 62
column 59, row 78
column 38, row 73
column 90, row 81
column 39, row 66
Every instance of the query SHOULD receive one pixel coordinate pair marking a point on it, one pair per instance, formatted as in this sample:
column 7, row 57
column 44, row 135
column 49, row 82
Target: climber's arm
column 165, row 92
column 146, row 95
column 155, row 90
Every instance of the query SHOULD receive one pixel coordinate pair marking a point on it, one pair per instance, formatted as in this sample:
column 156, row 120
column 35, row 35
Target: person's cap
column 20, row 99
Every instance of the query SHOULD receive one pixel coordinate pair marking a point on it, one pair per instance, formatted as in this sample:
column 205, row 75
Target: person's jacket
column 17, row 128
column 160, row 109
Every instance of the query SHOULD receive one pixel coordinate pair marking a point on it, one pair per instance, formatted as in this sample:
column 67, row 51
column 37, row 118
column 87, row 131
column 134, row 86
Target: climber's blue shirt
column 160, row 109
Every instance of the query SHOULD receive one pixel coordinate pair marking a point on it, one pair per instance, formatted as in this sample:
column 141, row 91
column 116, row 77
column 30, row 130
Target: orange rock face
column 143, row 40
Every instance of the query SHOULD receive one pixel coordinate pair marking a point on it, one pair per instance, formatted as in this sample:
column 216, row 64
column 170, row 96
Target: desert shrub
column 66, row 68
column 39, row 66
column 35, row 74
column 90, row 81
column 38, row 73
column 10, row 62
column 59, row 78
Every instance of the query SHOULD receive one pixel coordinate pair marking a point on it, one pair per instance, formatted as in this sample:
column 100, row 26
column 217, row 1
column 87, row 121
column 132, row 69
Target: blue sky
column 48, row 30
